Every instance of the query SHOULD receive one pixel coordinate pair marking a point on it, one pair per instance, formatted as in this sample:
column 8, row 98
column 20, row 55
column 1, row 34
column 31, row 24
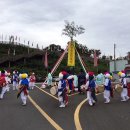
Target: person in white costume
column 90, row 88
column 124, row 93
column 107, row 87
column 49, row 79
column 23, row 88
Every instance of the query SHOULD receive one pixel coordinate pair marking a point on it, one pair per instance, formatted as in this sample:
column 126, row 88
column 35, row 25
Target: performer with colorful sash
column 62, row 90
column 23, row 88
column 90, row 88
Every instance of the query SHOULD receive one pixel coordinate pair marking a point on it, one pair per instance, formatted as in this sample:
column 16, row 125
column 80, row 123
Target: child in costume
column 24, row 88
column 32, row 80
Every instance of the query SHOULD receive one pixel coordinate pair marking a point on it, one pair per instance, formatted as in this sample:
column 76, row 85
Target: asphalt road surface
column 43, row 113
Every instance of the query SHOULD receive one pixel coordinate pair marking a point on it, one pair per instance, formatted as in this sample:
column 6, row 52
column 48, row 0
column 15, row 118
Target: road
column 42, row 113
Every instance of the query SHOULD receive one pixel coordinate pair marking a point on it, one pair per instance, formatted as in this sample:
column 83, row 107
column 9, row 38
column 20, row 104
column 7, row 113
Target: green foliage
column 36, row 63
column 71, row 30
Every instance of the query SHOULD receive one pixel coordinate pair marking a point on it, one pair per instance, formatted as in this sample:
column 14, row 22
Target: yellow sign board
column 71, row 54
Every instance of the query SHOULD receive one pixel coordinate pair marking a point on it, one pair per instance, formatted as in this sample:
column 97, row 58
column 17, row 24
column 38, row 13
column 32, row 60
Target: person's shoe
column 62, row 105
column 107, row 102
column 90, row 104
column 123, row 100
column 94, row 101
column 24, row 104
column 127, row 98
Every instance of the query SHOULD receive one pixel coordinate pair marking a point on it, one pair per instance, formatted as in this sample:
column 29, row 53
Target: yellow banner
column 71, row 54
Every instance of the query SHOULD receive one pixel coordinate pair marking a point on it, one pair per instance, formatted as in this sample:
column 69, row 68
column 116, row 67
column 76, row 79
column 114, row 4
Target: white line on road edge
column 47, row 93
column 54, row 96
column 49, row 119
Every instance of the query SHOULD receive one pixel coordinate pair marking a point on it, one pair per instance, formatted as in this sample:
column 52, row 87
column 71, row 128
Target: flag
column 46, row 60
column 95, row 59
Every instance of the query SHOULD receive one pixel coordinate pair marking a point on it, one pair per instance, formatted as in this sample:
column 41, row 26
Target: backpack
column 2, row 81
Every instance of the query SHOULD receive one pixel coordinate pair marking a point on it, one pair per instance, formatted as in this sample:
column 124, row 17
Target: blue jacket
column 63, row 85
column 108, row 86
column 92, row 84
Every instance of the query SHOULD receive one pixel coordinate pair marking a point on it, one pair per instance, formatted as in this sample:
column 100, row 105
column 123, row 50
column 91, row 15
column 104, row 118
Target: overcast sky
column 41, row 21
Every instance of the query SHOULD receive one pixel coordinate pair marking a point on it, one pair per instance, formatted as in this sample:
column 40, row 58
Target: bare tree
column 71, row 30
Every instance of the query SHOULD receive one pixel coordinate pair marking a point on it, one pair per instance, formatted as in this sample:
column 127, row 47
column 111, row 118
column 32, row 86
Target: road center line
column 76, row 114
column 49, row 119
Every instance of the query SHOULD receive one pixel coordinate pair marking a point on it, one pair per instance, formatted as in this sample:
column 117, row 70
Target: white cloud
column 41, row 21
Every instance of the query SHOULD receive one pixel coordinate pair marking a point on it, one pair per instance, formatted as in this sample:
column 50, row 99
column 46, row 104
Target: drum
column 82, row 87
column 100, row 88
column 118, row 88
column 53, row 90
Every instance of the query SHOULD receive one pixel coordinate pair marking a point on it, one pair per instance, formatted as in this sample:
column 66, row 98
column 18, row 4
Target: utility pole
column 114, row 57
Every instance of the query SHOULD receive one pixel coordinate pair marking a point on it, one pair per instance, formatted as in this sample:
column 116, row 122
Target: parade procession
column 66, row 84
